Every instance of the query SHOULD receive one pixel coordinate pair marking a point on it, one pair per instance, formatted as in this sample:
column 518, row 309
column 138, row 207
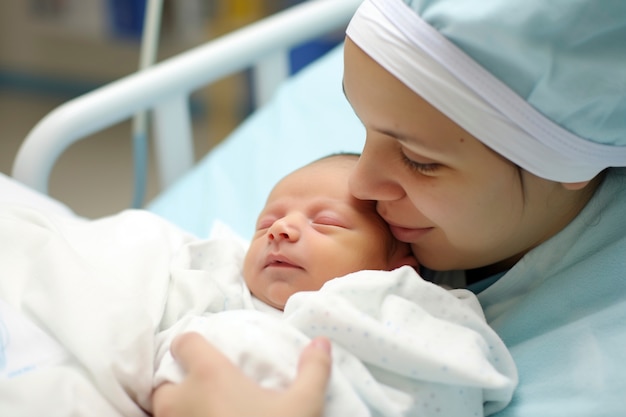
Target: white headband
column 395, row 36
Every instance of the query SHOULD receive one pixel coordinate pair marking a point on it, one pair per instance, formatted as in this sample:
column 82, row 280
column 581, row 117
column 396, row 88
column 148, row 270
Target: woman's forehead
column 389, row 108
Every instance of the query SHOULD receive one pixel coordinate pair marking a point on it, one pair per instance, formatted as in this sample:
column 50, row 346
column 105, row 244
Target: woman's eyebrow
column 396, row 135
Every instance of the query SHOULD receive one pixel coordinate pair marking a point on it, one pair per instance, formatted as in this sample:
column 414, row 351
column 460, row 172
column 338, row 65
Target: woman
column 496, row 146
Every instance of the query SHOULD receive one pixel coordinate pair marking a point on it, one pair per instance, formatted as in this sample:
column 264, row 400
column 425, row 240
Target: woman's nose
column 374, row 178
column 283, row 230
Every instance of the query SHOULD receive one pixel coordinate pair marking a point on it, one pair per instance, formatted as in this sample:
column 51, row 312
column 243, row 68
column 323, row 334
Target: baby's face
column 312, row 230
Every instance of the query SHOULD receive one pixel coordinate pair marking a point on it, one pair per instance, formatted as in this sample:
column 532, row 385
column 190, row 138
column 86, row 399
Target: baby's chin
column 275, row 298
column 279, row 305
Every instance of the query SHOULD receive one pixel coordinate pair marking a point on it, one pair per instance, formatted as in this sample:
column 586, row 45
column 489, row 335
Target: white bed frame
column 164, row 90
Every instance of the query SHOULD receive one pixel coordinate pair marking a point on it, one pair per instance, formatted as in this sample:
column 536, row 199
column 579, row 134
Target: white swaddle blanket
column 108, row 295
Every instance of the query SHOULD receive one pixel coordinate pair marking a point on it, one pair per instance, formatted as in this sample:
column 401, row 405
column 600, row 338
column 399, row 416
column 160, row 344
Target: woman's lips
column 408, row 235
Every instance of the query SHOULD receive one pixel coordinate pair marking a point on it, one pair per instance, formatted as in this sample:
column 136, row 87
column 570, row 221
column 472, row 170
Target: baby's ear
column 403, row 256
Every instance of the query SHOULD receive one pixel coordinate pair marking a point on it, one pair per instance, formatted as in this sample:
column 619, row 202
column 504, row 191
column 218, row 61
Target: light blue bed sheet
column 308, row 118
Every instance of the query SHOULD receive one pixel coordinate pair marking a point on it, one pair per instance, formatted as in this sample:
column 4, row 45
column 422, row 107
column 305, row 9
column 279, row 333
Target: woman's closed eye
column 421, row 167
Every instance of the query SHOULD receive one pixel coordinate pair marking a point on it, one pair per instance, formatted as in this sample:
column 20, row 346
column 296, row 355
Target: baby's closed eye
column 329, row 219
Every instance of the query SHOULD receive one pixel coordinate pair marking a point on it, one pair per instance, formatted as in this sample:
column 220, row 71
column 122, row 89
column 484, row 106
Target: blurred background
column 54, row 50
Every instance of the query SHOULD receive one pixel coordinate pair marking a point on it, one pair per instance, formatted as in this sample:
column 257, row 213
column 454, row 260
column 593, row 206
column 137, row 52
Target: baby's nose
column 283, row 230
column 278, row 235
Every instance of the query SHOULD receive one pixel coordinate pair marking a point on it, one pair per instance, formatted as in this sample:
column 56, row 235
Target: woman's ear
column 575, row 186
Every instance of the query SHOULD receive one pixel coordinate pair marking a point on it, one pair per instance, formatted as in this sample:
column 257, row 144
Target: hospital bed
column 298, row 119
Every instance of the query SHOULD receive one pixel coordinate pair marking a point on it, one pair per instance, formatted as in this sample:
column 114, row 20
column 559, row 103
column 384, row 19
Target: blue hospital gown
column 562, row 313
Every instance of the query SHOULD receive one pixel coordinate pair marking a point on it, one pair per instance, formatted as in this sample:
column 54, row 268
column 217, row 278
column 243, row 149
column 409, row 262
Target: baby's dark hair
column 336, row 154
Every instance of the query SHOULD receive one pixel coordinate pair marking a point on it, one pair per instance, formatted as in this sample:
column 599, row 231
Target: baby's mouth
column 279, row 261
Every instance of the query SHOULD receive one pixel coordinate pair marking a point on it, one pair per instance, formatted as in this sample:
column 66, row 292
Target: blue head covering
column 541, row 82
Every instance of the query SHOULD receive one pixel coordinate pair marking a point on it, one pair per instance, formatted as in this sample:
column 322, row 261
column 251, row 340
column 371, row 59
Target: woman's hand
column 215, row 387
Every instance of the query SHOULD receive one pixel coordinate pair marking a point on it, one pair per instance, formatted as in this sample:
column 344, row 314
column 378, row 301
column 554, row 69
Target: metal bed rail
column 164, row 90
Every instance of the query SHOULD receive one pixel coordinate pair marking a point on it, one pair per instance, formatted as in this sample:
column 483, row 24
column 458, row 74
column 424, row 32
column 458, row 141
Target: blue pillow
column 308, row 118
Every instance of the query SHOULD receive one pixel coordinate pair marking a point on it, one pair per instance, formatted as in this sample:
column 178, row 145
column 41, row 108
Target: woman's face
column 459, row 204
